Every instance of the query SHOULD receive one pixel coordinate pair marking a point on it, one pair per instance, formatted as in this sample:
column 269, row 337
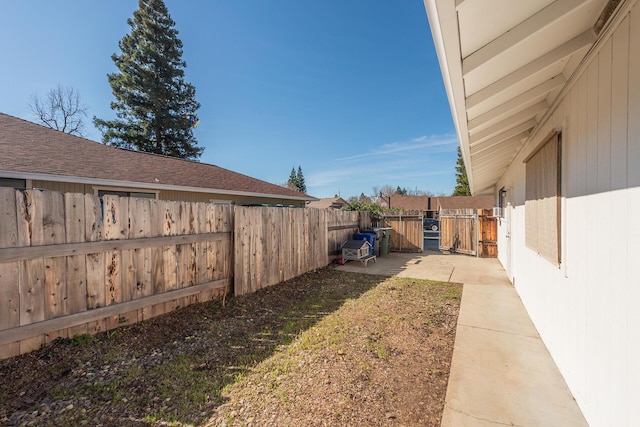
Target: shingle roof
column 412, row 203
column 326, row 203
column 424, row 203
column 31, row 148
column 466, row 202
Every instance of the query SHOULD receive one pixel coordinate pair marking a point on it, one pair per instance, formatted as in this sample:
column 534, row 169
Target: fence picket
column 143, row 256
column 95, row 262
column 9, row 271
column 31, row 273
column 76, row 268
column 171, row 226
column 156, row 219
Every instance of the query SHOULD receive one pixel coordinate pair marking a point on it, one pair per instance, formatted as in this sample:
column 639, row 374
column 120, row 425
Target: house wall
column 173, row 195
column 587, row 311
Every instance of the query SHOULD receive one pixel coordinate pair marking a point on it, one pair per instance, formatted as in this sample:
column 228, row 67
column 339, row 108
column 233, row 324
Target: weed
column 113, row 334
column 111, row 356
column 82, row 340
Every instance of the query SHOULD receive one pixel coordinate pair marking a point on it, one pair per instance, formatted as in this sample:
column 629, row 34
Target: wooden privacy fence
column 275, row 244
column 341, row 226
column 407, row 234
column 71, row 266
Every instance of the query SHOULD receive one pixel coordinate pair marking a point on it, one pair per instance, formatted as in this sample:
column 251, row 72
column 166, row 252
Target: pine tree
column 292, row 183
column 401, row 191
column 462, row 181
column 296, row 180
column 302, row 186
column 152, row 98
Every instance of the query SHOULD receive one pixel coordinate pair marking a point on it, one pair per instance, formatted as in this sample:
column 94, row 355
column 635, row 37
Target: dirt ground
column 327, row 348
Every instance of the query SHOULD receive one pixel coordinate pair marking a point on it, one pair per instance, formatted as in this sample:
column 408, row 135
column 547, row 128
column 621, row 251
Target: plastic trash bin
column 378, row 233
column 385, row 242
column 369, row 237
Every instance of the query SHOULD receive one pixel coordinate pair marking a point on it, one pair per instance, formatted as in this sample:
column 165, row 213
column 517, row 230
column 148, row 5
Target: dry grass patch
column 326, row 348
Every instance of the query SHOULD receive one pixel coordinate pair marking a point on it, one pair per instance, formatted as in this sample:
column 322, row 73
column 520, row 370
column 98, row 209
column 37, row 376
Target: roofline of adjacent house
column 141, row 185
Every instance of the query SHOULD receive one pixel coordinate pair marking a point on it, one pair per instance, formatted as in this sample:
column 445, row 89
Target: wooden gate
column 467, row 232
column 406, row 235
column 488, row 240
column 459, row 233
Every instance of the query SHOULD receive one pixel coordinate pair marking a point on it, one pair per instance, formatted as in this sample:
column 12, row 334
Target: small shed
column 357, row 250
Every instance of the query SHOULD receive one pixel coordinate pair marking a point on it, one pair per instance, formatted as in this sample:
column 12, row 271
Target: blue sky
column 350, row 90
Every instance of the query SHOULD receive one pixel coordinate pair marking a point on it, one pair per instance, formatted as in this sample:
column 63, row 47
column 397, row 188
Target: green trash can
column 385, row 242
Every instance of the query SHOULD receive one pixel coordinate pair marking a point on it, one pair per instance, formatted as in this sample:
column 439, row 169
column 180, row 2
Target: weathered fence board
column 277, row 244
column 9, row 272
column 95, row 261
column 9, row 305
column 76, row 293
column 407, row 232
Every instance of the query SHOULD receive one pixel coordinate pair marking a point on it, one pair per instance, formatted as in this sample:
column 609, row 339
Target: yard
column 325, row 348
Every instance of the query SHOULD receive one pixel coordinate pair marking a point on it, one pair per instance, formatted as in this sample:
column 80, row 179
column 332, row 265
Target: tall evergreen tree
column 292, row 183
column 302, row 186
column 152, row 99
column 462, row 181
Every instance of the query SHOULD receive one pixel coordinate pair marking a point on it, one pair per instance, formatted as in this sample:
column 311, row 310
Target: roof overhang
column 505, row 64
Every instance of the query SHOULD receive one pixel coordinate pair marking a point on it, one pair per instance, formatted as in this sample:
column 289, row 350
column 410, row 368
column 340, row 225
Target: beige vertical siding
column 173, row 195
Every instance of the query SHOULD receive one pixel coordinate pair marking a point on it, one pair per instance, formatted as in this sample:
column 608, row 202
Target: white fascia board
column 443, row 22
column 140, row 185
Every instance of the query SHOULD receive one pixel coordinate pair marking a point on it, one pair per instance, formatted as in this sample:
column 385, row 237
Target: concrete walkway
column 501, row 372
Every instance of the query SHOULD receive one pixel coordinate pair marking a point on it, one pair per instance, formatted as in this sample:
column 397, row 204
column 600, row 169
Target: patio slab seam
column 535, row 337
column 483, row 419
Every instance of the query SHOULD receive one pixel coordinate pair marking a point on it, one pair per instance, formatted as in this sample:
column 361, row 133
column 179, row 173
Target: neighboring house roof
column 465, row 202
column 412, row 203
column 327, row 203
column 505, row 69
column 31, row 151
column 428, row 203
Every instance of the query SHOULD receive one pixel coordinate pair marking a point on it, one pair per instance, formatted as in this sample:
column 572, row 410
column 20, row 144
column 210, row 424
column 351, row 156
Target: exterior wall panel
column 172, row 195
column 633, row 209
column 63, row 187
column 587, row 310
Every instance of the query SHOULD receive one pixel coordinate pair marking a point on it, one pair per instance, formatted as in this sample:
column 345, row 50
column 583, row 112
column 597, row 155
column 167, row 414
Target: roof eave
column 446, row 38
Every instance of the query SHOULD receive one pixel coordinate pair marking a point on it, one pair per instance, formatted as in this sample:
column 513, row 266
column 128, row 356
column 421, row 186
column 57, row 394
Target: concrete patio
column 501, row 372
